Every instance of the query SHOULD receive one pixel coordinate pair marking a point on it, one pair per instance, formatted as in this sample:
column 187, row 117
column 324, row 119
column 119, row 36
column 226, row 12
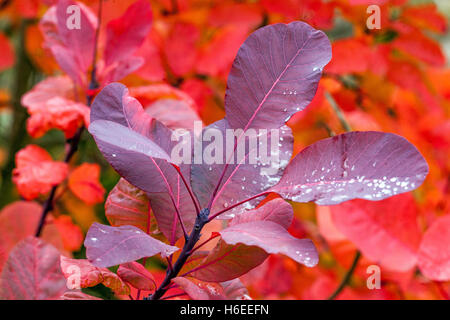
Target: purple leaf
column 272, row 238
column 114, row 103
column 276, row 210
column 275, row 74
column 109, row 246
column 32, row 272
column 248, row 175
column 366, row 165
column 157, row 177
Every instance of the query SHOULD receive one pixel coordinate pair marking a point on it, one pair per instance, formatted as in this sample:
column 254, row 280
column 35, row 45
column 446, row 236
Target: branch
column 192, row 240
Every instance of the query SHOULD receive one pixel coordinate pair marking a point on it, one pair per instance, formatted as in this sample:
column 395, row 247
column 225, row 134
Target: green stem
column 338, row 111
column 345, row 281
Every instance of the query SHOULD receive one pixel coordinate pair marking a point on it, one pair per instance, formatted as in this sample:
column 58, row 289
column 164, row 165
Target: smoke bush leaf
column 275, row 74
column 272, row 238
column 109, row 246
column 366, row 165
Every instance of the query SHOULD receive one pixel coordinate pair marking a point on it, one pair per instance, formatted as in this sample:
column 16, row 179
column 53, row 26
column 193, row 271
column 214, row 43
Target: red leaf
column 217, row 56
column 421, row 47
column 349, row 56
column 365, row 165
column 36, row 173
column 109, row 246
column 434, row 251
column 127, row 205
column 80, row 273
column 20, row 220
column 136, row 275
column 126, row 34
column 386, row 232
column 84, row 183
column 7, row 59
column 32, row 272
column 51, row 105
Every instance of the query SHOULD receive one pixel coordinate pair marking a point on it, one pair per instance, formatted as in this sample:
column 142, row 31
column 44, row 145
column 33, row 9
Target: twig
column 347, row 277
column 338, row 111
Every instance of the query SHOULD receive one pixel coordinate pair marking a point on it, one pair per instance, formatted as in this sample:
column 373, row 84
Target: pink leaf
column 386, row 232
column 126, row 34
column 32, row 272
column 434, row 251
column 109, row 246
column 136, row 275
column 89, row 275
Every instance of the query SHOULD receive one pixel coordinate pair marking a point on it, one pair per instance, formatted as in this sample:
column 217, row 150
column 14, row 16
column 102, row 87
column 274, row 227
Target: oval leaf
column 272, row 238
column 366, row 165
column 275, row 74
column 434, row 251
column 109, row 246
column 32, row 272
column 386, row 232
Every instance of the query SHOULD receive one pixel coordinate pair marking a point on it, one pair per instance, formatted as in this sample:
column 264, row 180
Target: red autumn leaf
column 386, row 232
column 71, row 234
column 349, row 56
column 32, row 272
column 137, row 276
column 51, row 105
column 421, row 47
column 36, row 173
column 434, row 252
column 425, row 16
column 7, row 59
column 80, row 273
column 217, row 56
column 20, row 220
column 84, row 183
column 153, row 69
